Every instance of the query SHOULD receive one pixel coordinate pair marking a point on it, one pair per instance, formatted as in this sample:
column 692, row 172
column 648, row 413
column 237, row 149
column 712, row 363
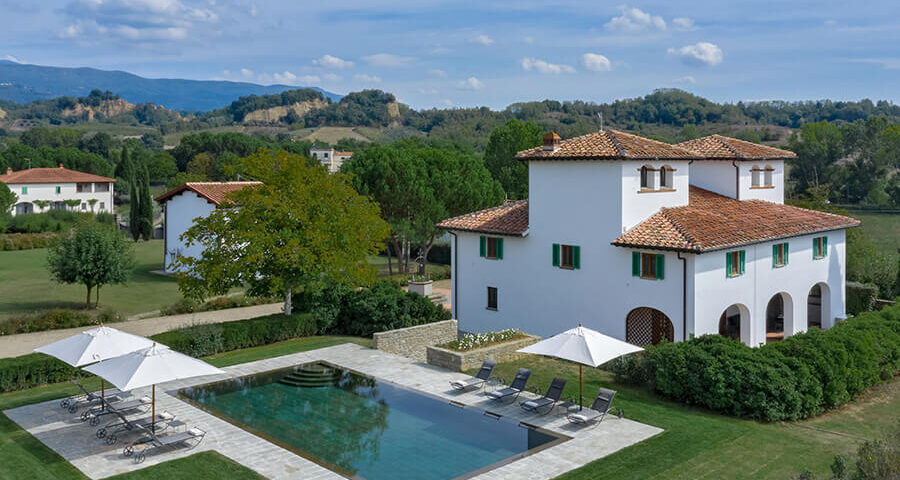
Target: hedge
column 34, row 369
column 186, row 305
column 343, row 310
column 796, row 378
column 861, row 297
column 25, row 241
column 56, row 319
column 210, row 339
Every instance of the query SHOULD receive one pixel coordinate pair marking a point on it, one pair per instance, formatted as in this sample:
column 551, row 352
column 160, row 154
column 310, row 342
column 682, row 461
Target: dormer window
column 651, row 183
column 755, row 174
column 665, row 177
column 647, row 177
column 762, row 177
column 767, row 176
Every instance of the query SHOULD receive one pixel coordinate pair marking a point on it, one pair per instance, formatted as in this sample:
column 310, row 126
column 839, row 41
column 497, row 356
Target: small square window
column 820, row 247
column 492, row 298
column 779, row 255
column 102, row 205
column 491, row 247
column 24, row 190
column 648, row 265
column 567, row 256
column 58, row 190
column 83, row 206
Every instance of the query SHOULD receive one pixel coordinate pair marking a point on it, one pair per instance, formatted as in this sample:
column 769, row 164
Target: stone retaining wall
column 411, row 342
column 459, row 361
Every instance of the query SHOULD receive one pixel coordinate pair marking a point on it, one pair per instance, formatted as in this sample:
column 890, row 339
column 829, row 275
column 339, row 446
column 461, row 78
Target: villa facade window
column 648, row 265
column 567, row 256
column 779, row 255
column 491, row 247
column 83, row 187
column 101, row 187
column 24, row 190
column 820, row 247
column 734, row 263
column 492, row 298
column 762, row 177
column 666, row 180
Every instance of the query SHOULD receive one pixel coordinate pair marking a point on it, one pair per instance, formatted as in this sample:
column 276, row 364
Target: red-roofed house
column 56, row 185
column 646, row 241
column 331, row 158
column 182, row 206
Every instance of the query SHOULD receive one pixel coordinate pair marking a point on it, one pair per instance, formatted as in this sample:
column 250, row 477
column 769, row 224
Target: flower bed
column 501, row 351
column 471, row 341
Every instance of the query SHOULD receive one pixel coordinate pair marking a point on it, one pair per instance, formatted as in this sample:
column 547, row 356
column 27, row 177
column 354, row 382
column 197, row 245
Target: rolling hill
column 24, row 83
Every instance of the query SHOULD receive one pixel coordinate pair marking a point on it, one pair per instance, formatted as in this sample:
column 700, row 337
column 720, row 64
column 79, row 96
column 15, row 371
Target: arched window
column 755, row 176
column 645, row 177
column 665, row 177
column 769, row 171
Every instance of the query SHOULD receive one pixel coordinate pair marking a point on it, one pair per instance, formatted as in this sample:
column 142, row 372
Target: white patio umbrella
column 583, row 346
column 149, row 366
column 95, row 345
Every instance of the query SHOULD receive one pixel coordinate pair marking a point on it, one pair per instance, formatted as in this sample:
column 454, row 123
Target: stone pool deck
column 76, row 442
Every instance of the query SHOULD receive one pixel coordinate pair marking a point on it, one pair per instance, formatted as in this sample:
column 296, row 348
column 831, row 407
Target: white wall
column 775, row 193
column 714, row 292
column 719, row 176
column 68, row 191
column 180, row 211
column 714, row 175
column 638, row 205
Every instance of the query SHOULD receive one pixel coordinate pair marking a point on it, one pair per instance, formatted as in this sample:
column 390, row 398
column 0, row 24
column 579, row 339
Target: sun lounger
column 548, row 401
column 480, row 378
column 114, row 429
column 74, row 402
column 514, row 389
column 124, row 407
column 601, row 406
column 139, row 449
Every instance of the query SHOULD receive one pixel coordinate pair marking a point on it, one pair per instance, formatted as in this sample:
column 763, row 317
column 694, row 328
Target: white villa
column 181, row 206
column 331, row 158
column 643, row 240
column 55, row 186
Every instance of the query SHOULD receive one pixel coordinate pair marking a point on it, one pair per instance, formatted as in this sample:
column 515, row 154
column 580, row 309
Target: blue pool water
column 366, row 428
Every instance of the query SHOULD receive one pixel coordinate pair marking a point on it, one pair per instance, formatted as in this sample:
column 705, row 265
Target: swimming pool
column 368, row 428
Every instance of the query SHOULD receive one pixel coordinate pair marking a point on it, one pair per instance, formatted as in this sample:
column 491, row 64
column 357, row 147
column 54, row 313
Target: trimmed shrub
column 25, row 241
column 34, row 369
column 799, row 377
column 210, row 339
column 384, row 306
column 861, row 297
column 56, row 319
column 186, row 305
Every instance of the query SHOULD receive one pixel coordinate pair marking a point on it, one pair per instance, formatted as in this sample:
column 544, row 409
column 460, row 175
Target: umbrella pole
column 580, row 393
column 153, row 410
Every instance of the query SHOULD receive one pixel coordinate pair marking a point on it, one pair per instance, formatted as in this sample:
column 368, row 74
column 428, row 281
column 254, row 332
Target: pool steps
column 311, row 376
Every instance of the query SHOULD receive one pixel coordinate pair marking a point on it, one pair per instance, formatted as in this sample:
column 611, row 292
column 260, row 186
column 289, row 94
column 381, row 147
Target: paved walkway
column 76, row 443
column 24, row 343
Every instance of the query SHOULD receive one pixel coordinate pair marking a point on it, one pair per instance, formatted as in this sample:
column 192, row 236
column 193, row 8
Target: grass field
column 24, row 457
column 883, row 229
column 25, row 285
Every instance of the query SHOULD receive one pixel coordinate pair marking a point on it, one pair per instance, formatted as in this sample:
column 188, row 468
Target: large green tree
column 418, row 184
column 7, row 199
column 500, row 155
column 91, row 254
column 299, row 227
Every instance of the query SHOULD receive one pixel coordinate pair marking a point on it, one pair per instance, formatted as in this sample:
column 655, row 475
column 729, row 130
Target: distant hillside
column 23, row 83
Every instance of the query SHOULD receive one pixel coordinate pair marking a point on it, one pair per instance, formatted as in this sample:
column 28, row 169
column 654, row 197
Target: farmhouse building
column 55, row 186
column 331, row 158
column 182, row 206
column 647, row 241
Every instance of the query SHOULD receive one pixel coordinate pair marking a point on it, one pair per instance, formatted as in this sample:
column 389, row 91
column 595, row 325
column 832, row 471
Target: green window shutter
column 785, row 253
column 635, row 264
column 499, row 249
column 660, row 266
column 57, row 189
column 483, row 247
column 775, row 255
column 742, row 254
column 815, row 247
column 825, row 246
column 576, row 256
column 728, row 264
column 555, row 254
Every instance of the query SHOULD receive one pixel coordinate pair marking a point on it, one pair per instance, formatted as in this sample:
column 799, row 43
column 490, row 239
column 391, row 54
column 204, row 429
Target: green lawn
column 700, row 444
column 24, row 454
column 25, row 285
column 380, row 262
column 883, row 229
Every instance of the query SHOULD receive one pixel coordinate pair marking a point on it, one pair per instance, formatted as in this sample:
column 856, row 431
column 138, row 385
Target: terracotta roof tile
column 717, row 147
column 711, row 222
column 51, row 175
column 511, row 218
column 214, row 192
column 608, row 145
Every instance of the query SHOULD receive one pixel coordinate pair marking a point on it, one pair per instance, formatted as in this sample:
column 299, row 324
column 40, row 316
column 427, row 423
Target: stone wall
column 459, row 361
column 410, row 342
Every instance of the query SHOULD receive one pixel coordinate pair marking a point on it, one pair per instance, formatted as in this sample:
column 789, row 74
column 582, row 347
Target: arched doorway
column 735, row 323
column 779, row 317
column 817, row 305
column 24, row 208
column 648, row 326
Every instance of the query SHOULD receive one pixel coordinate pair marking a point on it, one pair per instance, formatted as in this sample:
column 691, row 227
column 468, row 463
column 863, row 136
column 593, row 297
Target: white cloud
column 470, row 83
column 329, row 61
column 686, row 80
column 596, row 62
column 683, row 24
column 528, row 40
column 437, row 73
column 545, row 67
column 367, row 78
column 331, row 77
column 439, row 51
column 482, row 40
column 12, row 58
column 253, row 11
column 635, row 20
column 700, row 53
column 246, row 72
column 288, row 78
column 428, row 91
column 388, row 60
column 885, row 63
column 133, row 20
column 307, row 79
column 447, row 102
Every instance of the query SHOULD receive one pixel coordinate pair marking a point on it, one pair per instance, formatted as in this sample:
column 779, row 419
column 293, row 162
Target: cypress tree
column 134, row 215
column 146, row 207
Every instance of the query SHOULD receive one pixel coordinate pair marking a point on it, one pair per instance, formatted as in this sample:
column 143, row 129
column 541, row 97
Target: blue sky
column 437, row 54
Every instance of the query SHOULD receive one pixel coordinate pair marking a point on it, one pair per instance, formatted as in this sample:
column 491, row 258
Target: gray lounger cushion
column 584, row 416
column 467, row 383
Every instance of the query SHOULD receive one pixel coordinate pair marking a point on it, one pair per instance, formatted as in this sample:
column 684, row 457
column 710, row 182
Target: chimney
column 551, row 142
column 60, row 165
column 8, row 170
